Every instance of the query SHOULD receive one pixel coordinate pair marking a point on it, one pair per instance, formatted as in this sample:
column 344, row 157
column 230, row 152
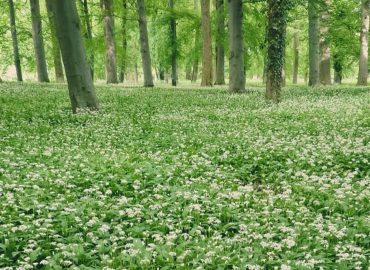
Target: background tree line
column 186, row 39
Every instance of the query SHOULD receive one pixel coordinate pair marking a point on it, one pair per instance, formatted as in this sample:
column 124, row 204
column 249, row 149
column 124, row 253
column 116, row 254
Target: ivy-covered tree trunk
column 144, row 44
column 173, row 43
column 325, row 66
column 313, row 43
column 110, row 43
column 207, row 44
column 38, row 42
column 124, row 42
column 13, row 30
column 220, row 48
column 363, row 71
column 80, row 84
column 296, row 57
column 236, row 59
column 88, row 35
column 58, row 66
column 276, row 32
column 338, row 70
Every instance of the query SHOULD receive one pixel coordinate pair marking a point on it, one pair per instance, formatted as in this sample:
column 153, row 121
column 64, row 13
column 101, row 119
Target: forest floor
column 184, row 179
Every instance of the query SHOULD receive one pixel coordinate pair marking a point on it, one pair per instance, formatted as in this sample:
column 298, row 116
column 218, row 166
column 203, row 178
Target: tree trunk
column 363, row 71
column 324, row 69
column 38, row 42
column 124, row 42
column 207, row 44
column 80, row 84
column 194, row 75
column 13, row 29
column 220, row 48
column 161, row 73
column 237, row 74
column 314, row 48
column 276, row 32
column 296, row 57
column 188, row 73
column 173, row 43
column 110, row 44
column 88, row 34
column 338, row 70
column 144, row 44
column 58, row 66
column 136, row 73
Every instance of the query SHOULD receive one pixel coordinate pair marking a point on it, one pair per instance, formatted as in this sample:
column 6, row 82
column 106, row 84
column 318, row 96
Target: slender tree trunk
column 124, row 42
column 80, row 84
column 38, row 42
column 13, row 29
column 324, row 69
column 88, row 34
column 161, row 73
column 363, row 71
column 110, row 43
column 276, row 32
column 144, row 44
column 58, row 66
column 314, row 48
column 136, row 73
column 237, row 74
column 173, row 43
column 188, row 73
column 338, row 70
column 264, row 73
column 194, row 75
column 207, row 44
column 220, row 48
column 296, row 57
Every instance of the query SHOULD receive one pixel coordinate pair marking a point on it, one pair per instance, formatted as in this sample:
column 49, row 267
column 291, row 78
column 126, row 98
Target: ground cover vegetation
column 196, row 179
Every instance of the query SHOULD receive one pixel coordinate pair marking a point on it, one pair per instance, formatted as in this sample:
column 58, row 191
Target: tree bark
column 88, row 34
column 173, row 43
column 124, row 42
column 38, row 42
column 363, row 71
column 13, row 29
column 324, row 69
column 237, row 74
column 58, row 66
column 314, row 48
column 110, row 44
column 144, row 44
column 80, row 84
column 276, row 32
column 207, row 44
column 220, row 48
column 296, row 57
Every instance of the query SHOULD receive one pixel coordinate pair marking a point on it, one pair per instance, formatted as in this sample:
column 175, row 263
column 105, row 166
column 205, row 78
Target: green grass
column 184, row 179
